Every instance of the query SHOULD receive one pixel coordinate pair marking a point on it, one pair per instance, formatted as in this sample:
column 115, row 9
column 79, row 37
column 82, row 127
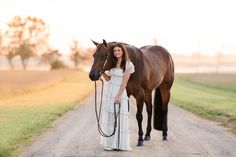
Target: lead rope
column 119, row 132
column 98, row 115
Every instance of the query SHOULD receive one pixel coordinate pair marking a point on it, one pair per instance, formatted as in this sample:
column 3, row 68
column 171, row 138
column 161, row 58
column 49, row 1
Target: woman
column 116, row 94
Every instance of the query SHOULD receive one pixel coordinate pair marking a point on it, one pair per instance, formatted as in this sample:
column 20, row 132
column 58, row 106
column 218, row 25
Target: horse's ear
column 105, row 43
column 95, row 43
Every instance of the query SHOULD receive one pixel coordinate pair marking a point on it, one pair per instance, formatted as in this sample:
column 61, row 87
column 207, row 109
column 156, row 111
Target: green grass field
column 32, row 100
column 212, row 96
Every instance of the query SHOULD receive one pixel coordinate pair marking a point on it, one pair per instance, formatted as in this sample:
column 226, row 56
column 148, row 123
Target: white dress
column 107, row 124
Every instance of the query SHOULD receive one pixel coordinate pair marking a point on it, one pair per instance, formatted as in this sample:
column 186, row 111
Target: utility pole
column 154, row 41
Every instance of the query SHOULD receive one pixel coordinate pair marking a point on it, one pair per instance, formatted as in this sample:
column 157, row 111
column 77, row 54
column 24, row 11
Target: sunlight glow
column 183, row 26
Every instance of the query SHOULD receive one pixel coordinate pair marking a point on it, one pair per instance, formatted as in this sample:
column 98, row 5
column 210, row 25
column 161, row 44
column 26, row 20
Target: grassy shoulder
column 212, row 96
column 26, row 114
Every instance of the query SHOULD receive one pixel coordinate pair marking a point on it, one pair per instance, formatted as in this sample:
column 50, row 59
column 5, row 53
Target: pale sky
column 181, row 26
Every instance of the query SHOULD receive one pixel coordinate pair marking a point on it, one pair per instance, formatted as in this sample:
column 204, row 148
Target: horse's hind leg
column 165, row 95
column 148, row 102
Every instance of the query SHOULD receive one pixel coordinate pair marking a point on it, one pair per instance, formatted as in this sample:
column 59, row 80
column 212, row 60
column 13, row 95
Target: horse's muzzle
column 94, row 75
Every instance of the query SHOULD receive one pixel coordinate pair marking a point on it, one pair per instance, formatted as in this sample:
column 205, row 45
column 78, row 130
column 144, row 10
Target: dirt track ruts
column 75, row 135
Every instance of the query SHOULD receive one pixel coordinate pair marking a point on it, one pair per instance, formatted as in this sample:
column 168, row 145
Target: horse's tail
column 158, row 115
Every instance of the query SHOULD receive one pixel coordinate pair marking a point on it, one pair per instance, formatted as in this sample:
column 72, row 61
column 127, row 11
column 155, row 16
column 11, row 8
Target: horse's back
column 160, row 61
column 154, row 50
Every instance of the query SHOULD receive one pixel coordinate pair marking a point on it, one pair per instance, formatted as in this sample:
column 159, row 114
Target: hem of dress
column 122, row 148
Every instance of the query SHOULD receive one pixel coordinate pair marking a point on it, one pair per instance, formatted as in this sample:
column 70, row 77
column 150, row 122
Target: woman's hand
column 117, row 99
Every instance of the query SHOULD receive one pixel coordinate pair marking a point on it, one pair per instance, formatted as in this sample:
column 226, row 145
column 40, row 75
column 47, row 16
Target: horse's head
column 102, row 60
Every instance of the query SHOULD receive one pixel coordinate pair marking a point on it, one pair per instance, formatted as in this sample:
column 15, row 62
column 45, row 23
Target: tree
column 75, row 53
column 50, row 56
column 27, row 37
column 10, row 55
column 80, row 55
column 25, row 53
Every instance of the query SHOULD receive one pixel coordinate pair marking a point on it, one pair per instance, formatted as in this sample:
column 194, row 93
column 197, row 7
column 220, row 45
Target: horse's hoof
column 147, row 138
column 140, row 143
column 164, row 138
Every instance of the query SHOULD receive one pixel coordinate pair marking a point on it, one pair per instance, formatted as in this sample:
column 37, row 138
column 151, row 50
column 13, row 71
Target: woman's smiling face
column 117, row 52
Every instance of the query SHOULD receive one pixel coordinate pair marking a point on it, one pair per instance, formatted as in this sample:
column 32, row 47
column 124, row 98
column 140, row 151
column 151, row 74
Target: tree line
column 29, row 38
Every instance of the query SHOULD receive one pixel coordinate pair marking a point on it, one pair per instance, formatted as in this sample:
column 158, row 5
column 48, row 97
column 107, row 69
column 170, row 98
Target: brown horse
column 154, row 70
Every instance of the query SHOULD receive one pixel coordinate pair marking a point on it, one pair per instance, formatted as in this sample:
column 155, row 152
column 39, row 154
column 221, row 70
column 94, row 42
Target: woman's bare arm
column 123, row 85
column 106, row 77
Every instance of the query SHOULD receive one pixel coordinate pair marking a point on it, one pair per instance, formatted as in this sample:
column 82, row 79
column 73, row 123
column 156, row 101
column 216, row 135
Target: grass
column 33, row 101
column 14, row 83
column 212, row 96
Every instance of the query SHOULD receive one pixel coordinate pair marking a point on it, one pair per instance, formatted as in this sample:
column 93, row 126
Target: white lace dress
column 107, row 123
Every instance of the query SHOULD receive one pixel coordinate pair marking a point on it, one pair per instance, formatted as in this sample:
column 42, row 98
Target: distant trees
column 10, row 55
column 79, row 55
column 25, row 37
column 52, row 57
column 75, row 53
column 3, row 49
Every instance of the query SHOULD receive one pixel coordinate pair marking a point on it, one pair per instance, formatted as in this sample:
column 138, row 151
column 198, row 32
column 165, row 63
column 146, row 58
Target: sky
column 181, row 26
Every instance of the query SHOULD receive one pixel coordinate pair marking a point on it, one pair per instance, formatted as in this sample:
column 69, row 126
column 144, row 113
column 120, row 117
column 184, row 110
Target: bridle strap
column 105, row 62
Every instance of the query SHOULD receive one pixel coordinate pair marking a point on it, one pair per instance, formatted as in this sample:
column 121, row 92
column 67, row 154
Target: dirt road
column 75, row 135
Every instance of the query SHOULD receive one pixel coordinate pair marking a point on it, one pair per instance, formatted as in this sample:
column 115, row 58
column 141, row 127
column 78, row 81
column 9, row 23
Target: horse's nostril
column 91, row 76
column 94, row 75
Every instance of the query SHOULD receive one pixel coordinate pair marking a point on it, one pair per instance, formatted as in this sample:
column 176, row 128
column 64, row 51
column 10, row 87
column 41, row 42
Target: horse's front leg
column 139, row 118
column 148, row 102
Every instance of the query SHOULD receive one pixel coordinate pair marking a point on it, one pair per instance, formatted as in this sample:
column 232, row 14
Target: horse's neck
column 136, row 55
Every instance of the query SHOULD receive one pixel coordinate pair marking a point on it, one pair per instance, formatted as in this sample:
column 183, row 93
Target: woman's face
column 117, row 52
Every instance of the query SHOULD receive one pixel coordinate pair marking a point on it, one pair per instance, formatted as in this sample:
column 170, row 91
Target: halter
column 105, row 62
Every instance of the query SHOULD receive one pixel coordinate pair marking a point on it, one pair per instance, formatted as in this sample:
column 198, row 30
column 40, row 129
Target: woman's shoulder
column 129, row 64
